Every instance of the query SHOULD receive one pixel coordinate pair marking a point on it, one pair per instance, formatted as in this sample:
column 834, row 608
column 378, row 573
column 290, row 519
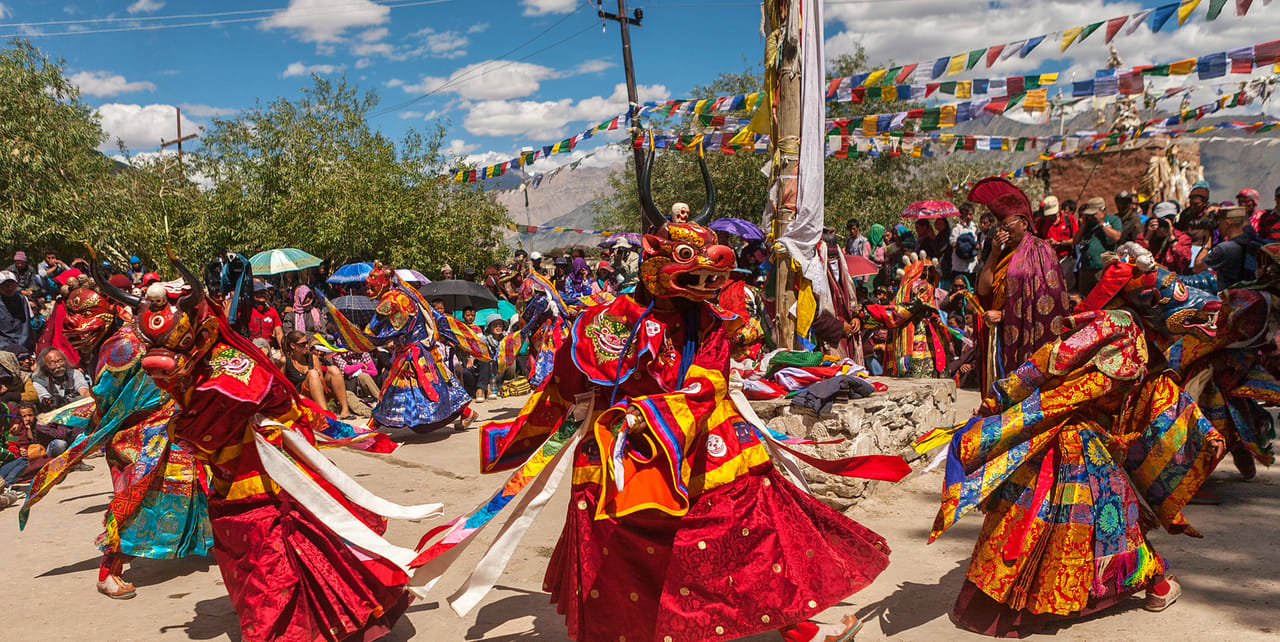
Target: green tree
column 311, row 173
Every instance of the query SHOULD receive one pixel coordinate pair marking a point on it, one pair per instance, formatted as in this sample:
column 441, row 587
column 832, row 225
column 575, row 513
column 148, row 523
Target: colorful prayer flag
column 1069, row 36
column 993, row 53
column 1088, row 30
column 1113, row 27
column 1136, row 21
column 1184, row 11
column 956, row 65
column 1161, row 15
column 1215, row 8
column 1031, row 44
column 974, row 57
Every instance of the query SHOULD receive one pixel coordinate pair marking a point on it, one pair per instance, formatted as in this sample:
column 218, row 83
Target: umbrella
column 357, row 308
column 458, row 294
column 632, row 238
column 860, row 265
column 351, row 273
column 930, row 209
column 287, row 259
column 412, row 276
column 738, row 227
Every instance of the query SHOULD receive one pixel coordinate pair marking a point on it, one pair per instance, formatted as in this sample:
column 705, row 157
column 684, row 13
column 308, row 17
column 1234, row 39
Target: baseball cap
column 19, row 256
column 1095, row 204
column 1164, row 209
column 535, row 256
column 1050, row 205
column 6, row 276
column 261, row 286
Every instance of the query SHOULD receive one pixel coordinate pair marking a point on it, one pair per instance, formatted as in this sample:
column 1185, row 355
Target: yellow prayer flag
column 1036, row 100
column 947, row 118
column 946, row 139
column 1004, row 144
column 964, row 89
column 888, row 93
column 869, row 125
column 1069, row 36
column 1182, row 67
column 1048, row 79
column 1276, row 68
column 1185, row 10
column 874, row 78
column 957, row 64
column 700, row 106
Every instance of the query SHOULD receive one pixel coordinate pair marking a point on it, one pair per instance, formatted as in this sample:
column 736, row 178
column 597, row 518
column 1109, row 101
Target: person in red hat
column 1020, row 287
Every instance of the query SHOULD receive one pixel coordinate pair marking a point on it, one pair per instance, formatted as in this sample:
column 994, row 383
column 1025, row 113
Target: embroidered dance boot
column 1162, row 594
column 810, row 631
column 110, row 583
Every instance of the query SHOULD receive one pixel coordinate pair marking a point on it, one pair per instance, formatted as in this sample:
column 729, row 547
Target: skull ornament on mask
column 90, row 317
column 683, row 260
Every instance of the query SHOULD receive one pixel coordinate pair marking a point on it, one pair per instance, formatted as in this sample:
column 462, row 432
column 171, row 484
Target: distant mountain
column 567, row 199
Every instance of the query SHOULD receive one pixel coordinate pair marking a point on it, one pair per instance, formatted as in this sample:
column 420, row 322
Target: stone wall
column 886, row 423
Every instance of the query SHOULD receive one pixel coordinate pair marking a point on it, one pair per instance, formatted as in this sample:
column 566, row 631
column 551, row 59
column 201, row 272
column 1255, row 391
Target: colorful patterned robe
column 158, row 509
column 684, row 530
column 420, row 391
column 1077, row 440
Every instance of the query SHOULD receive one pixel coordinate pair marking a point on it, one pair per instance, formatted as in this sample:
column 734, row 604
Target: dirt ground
column 1230, row 578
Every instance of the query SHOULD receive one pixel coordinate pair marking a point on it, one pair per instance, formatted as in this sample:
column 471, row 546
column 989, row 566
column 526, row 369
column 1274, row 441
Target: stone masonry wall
column 886, row 423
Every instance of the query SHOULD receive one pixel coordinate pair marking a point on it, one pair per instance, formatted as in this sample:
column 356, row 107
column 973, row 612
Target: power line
column 488, row 70
column 83, row 32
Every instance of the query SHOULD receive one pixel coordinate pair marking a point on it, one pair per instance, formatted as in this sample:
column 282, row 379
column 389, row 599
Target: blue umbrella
column 631, row 237
column 358, row 309
column 738, row 227
column 351, row 273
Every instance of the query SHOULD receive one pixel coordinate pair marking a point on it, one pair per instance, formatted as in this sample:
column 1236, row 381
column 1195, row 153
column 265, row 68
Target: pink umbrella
column 930, row 209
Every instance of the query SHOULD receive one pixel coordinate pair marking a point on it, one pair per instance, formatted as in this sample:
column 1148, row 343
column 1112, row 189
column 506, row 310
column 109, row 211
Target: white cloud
column 299, row 69
column 374, row 35
column 141, row 127
column 447, row 44
column 457, row 147
column 543, row 7
column 373, row 49
column 145, row 6
column 546, row 120
column 488, row 80
column 142, row 159
column 325, row 21
column 592, row 66
column 395, row 82
column 105, row 83
column 206, row 111
column 363, row 63
column 478, row 27
column 5, row 12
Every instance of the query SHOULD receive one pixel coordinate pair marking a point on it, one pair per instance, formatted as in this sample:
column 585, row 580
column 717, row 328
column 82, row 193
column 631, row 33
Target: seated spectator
column 264, row 321
column 28, row 449
column 27, row 276
column 360, row 373
column 16, row 335
column 306, row 317
column 321, row 383
column 57, row 383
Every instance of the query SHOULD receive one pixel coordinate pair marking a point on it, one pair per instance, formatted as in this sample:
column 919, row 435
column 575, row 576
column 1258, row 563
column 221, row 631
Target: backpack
column 966, row 246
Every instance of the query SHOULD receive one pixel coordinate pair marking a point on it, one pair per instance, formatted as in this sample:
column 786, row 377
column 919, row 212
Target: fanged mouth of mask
column 701, row 280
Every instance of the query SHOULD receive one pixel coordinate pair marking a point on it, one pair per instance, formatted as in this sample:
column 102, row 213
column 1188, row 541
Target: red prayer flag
column 1113, row 27
column 915, row 114
column 905, row 74
column 930, row 88
column 1242, row 7
column 1014, row 84
column 858, row 94
column 1266, row 53
column 994, row 53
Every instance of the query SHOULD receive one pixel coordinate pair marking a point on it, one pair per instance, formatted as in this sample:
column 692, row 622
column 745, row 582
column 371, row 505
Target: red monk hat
column 1003, row 198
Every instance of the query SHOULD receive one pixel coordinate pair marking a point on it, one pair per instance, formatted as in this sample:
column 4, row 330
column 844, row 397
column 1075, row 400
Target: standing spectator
column 135, row 271
column 964, row 245
column 1248, row 199
column 264, row 321
column 1058, row 226
column 15, row 316
column 1197, row 201
column 986, row 233
column 1099, row 232
column 1268, row 227
column 1130, row 217
column 1170, row 247
column 1227, row 258
column 855, row 242
column 875, row 244
column 56, row 382
column 446, row 272
column 469, row 274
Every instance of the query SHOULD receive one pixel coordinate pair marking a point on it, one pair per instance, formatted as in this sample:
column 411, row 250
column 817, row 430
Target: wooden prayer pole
column 784, row 150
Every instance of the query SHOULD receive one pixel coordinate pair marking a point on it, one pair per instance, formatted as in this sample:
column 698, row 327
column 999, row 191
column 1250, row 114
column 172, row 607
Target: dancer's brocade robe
column 1078, row 438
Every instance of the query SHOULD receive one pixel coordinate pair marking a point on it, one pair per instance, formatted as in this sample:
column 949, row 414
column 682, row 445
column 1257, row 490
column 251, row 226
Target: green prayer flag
column 1158, row 70
column 1090, row 29
column 890, row 76
column 1021, row 145
column 948, row 87
column 932, row 116
column 1215, row 8
column 873, row 93
column 1014, row 100
column 974, row 57
column 1030, row 82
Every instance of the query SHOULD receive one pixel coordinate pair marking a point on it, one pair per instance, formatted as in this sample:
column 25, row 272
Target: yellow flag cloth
column 1185, row 10
column 1069, row 36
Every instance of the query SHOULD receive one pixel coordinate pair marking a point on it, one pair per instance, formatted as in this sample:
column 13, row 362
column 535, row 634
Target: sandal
column 116, row 588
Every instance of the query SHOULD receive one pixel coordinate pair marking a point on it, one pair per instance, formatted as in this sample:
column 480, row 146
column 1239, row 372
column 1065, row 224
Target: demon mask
column 683, row 260
column 378, row 281
column 90, row 318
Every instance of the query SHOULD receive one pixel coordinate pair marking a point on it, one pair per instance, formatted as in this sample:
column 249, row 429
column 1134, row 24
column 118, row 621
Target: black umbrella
column 458, row 294
column 357, row 308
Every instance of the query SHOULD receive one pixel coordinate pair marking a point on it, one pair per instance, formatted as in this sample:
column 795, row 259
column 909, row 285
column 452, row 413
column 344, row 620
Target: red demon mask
column 90, row 316
column 378, row 280
column 683, row 260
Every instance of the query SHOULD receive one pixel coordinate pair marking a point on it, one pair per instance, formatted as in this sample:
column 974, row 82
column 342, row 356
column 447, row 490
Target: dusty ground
column 1230, row 577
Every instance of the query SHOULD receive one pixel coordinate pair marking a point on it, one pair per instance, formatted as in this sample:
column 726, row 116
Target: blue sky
column 502, row 97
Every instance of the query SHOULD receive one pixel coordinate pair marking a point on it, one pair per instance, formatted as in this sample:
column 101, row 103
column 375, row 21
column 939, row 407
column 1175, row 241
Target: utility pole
column 625, row 22
column 784, row 145
column 178, row 141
